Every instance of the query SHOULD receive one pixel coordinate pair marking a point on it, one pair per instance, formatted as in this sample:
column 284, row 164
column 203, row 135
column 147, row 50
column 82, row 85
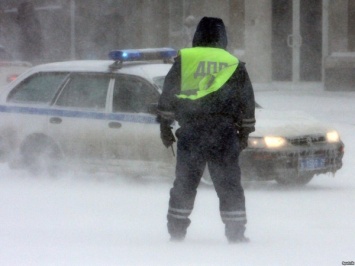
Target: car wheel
column 40, row 155
column 295, row 180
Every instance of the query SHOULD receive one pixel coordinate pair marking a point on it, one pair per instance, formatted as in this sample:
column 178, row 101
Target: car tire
column 295, row 180
column 40, row 155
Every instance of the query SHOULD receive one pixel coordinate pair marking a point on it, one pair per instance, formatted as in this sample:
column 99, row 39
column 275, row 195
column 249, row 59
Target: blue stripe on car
column 125, row 117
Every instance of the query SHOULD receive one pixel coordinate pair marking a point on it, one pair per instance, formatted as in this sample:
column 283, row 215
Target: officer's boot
column 177, row 228
column 235, row 232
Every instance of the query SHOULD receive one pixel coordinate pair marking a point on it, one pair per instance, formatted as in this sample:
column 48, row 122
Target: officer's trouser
column 218, row 147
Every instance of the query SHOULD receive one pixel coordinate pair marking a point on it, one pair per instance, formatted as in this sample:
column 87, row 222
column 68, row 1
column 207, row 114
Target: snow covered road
column 82, row 219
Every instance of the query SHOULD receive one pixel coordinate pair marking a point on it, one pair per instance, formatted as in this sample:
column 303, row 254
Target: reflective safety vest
column 204, row 70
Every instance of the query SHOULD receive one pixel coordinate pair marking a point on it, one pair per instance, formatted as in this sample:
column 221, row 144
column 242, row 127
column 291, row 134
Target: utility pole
column 72, row 30
column 296, row 41
column 325, row 35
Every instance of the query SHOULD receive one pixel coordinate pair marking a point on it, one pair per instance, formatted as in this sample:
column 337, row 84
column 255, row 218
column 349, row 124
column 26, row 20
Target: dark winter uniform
column 209, row 93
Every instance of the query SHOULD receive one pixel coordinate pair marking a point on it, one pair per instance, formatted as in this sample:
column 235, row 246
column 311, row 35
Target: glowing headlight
column 275, row 142
column 266, row 142
column 256, row 142
column 333, row 136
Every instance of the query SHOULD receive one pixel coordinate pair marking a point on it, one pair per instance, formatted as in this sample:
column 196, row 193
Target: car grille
column 307, row 140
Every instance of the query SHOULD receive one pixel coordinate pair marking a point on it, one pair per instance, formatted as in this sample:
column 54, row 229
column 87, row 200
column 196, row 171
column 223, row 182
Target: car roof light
column 165, row 54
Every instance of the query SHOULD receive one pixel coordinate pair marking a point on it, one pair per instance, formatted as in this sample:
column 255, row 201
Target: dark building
column 280, row 40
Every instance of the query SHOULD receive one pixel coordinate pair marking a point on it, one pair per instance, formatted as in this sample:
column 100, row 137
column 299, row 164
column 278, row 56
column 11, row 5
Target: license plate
column 309, row 164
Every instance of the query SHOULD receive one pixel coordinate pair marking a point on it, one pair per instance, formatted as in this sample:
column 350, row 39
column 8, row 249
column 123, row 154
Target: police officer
column 209, row 93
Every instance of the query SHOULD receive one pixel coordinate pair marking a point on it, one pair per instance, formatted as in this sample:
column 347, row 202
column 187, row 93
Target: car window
column 39, row 88
column 159, row 81
column 85, row 91
column 133, row 95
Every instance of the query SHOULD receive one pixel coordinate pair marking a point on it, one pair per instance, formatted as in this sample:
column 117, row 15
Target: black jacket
column 233, row 102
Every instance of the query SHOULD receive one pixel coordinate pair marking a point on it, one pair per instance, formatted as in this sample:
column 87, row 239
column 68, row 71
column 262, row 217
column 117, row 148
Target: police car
column 101, row 115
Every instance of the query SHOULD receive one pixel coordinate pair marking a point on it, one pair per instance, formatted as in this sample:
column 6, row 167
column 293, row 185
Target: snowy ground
column 81, row 219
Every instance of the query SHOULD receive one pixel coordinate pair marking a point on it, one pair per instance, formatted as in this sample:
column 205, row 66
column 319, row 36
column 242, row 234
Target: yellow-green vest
column 204, row 70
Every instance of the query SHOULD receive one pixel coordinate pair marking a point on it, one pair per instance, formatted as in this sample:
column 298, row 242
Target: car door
column 79, row 119
column 134, row 134
column 27, row 108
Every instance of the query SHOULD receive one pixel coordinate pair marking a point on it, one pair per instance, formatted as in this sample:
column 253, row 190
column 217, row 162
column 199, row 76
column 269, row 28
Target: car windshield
column 159, row 81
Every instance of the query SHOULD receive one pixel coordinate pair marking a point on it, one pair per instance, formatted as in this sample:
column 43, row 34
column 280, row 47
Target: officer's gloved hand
column 166, row 135
column 243, row 141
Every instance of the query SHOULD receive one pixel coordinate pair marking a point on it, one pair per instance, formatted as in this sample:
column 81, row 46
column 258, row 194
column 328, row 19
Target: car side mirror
column 153, row 108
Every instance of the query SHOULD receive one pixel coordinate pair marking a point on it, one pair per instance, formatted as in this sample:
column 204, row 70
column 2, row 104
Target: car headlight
column 333, row 136
column 267, row 142
column 275, row 142
column 256, row 142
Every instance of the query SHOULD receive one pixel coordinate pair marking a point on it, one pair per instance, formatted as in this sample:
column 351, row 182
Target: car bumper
column 266, row 164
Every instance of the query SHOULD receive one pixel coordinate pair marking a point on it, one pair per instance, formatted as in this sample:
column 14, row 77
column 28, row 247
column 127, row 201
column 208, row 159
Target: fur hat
column 210, row 32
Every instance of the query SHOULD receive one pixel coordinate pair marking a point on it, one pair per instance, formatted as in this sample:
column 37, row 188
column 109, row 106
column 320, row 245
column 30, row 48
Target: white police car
column 100, row 115
column 92, row 112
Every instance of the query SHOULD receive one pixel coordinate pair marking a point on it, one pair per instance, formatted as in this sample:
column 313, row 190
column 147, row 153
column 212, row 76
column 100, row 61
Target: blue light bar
column 143, row 54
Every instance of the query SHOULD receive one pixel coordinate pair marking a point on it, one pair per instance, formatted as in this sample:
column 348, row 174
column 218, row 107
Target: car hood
column 287, row 124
